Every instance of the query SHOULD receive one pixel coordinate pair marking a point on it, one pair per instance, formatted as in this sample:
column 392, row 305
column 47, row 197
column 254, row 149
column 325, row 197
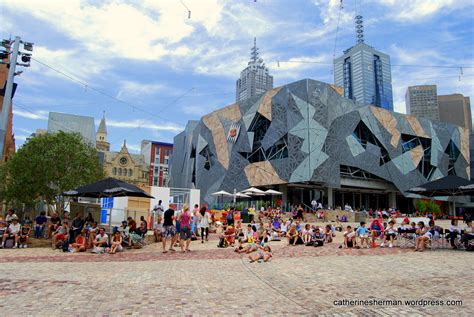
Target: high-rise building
column 422, row 101
column 254, row 79
column 365, row 73
column 455, row 109
column 101, row 142
column 157, row 157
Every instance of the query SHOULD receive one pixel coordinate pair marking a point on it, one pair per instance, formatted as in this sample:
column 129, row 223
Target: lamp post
column 12, row 62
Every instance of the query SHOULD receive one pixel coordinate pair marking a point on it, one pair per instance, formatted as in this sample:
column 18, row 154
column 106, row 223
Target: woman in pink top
column 185, row 228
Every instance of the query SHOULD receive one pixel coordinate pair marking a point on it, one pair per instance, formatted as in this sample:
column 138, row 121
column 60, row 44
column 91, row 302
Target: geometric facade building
column 101, row 137
column 305, row 137
column 254, row 79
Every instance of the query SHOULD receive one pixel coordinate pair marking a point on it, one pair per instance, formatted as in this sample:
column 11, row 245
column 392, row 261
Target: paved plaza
column 210, row 281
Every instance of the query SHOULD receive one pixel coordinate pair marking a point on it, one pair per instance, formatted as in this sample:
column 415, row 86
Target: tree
column 47, row 166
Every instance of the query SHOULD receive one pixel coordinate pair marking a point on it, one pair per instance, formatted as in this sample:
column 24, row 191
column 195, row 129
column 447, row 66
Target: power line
column 87, row 86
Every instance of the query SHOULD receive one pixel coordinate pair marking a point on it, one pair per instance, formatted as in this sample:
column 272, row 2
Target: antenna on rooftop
column 359, row 26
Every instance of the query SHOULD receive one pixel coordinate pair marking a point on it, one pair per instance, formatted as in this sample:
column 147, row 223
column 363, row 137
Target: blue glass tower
column 365, row 73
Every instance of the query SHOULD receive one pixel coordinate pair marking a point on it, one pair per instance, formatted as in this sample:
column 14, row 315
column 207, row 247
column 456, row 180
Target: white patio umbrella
column 273, row 192
column 222, row 193
column 253, row 190
column 242, row 195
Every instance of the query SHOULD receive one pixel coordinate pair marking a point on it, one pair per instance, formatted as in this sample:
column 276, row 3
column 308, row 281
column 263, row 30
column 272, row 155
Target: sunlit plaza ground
column 299, row 280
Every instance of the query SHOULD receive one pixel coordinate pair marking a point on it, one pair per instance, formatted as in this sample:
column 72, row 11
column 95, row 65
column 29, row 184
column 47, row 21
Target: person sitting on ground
column 92, row 233
column 293, row 236
column 284, row 228
column 468, row 234
column 307, row 234
column 262, row 233
column 132, row 224
column 137, row 237
column 24, row 236
column 80, row 243
column 40, row 224
column 376, row 228
column 246, row 248
column 101, row 241
column 349, row 238
column 229, row 235
column 125, row 233
column 424, row 235
column 3, row 228
column 248, row 234
column 89, row 220
column 238, row 229
column 229, row 218
column 116, row 243
column 265, row 254
column 54, row 223
column 454, row 231
column 390, row 234
column 76, row 227
column 142, row 219
column 12, row 231
column 318, row 238
column 61, row 234
column 363, row 234
column 329, row 233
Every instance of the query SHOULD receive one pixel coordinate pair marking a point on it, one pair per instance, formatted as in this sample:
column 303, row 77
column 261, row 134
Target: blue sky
column 168, row 69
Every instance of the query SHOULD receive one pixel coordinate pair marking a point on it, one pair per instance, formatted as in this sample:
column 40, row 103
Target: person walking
column 204, row 223
column 169, row 230
column 185, row 229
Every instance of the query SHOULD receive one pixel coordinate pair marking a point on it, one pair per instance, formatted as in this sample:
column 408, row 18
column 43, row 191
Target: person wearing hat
column 13, row 231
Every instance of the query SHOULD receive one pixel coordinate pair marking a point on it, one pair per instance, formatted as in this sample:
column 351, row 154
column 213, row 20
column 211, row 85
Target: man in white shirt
column 158, row 221
column 13, row 231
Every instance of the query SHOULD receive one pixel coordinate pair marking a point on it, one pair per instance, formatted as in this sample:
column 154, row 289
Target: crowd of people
column 178, row 228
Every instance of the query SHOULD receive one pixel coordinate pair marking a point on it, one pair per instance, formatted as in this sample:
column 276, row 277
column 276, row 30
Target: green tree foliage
column 48, row 165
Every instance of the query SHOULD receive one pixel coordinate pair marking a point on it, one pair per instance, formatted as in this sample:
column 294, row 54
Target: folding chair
column 437, row 239
column 406, row 238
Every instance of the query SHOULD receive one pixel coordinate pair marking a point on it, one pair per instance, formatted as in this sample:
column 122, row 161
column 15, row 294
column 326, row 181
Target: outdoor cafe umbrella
column 272, row 193
column 253, row 190
column 221, row 193
column 450, row 185
column 108, row 188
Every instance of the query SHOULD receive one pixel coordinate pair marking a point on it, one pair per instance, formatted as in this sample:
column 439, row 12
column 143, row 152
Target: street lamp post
column 12, row 62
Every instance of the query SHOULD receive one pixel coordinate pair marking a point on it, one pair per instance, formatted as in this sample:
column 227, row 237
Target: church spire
column 102, row 125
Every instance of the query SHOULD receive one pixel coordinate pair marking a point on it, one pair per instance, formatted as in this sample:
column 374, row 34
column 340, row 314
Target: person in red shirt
column 79, row 244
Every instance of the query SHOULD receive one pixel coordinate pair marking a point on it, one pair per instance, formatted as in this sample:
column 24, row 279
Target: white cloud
column 144, row 124
column 78, row 64
column 135, row 88
column 33, row 115
column 418, row 10
column 21, row 137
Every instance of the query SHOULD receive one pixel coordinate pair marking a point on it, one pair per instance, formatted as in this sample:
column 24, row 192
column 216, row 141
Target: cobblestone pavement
column 209, row 281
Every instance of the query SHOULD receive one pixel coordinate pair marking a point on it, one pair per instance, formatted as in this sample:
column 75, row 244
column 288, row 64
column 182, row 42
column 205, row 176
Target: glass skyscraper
column 365, row 75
